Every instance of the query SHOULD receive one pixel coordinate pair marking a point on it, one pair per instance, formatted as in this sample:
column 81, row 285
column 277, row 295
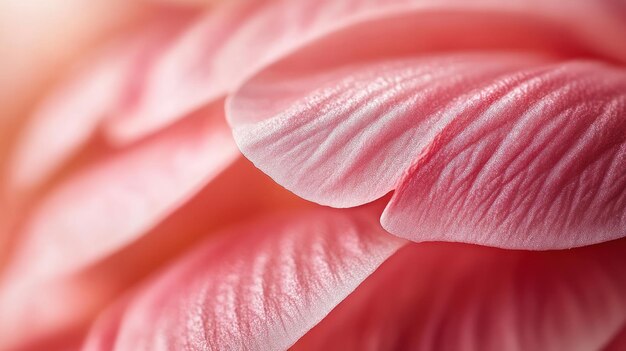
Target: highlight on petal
column 237, row 39
column 48, row 315
column 261, row 287
column 618, row 342
column 112, row 202
column 442, row 296
column 181, row 79
column 103, row 332
column 345, row 137
column 505, row 149
column 535, row 162
column 73, row 299
column 70, row 116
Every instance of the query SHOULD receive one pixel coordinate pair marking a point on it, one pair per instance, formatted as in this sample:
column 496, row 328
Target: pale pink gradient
column 134, row 222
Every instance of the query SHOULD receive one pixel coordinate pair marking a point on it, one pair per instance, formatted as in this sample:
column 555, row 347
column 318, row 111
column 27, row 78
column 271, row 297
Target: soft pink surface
column 40, row 309
column 509, row 150
column 222, row 49
column 100, row 88
column 496, row 124
column 440, row 296
column 113, row 202
column 492, row 122
column 259, row 287
column 534, row 160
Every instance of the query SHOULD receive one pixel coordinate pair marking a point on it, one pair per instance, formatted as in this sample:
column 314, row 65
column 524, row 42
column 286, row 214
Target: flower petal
column 260, row 287
column 73, row 299
column 237, row 39
column 182, row 78
column 510, row 150
column 536, row 162
column 618, row 342
column 439, row 296
column 69, row 117
column 116, row 200
column 345, row 137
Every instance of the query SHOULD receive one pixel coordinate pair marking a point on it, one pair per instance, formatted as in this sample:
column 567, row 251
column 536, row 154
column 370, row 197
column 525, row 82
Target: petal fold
column 117, row 199
column 260, row 287
column 536, row 162
column 237, row 39
column 66, row 120
column 441, row 296
column 504, row 149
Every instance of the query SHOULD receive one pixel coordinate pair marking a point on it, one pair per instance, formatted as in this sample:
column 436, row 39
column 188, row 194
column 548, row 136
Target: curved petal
column 345, row 137
column 103, row 332
column 71, row 301
column 181, row 79
column 238, row 38
column 39, row 40
column 36, row 317
column 116, row 200
column 261, row 287
column 540, row 165
column 618, row 342
column 71, row 114
column 510, row 150
column 439, row 296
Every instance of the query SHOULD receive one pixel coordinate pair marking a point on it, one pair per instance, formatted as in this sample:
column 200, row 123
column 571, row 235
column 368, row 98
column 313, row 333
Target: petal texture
column 441, row 296
column 235, row 40
column 72, row 300
column 70, row 116
column 510, row 150
column 116, row 200
column 618, row 342
column 536, row 164
column 259, row 288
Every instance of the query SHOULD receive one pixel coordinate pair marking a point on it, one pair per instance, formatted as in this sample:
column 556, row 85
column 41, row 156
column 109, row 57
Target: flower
column 472, row 153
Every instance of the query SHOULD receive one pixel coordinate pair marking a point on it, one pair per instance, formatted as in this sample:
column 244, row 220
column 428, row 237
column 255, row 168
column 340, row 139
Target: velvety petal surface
column 72, row 300
column 505, row 149
column 238, row 38
column 99, row 88
column 618, row 342
column 182, row 79
column 537, row 160
column 114, row 201
column 440, row 296
column 259, row 288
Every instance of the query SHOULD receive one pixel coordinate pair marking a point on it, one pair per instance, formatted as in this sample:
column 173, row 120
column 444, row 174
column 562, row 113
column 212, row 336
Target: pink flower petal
column 345, row 137
column 73, row 299
column 534, row 160
column 508, row 150
column 182, row 78
column 69, row 117
column 618, row 342
column 103, row 332
column 237, row 39
column 440, row 296
column 260, row 287
column 116, row 200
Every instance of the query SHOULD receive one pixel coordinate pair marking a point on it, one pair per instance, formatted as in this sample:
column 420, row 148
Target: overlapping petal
column 75, row 296
column 71, row 115
column 438, row 296
column 235, row 40
column 618, row 342
column 535, row 164
column 509, row 150
column 345, row 137
column 116, row 200
column 522, row 145
column 261, row 287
